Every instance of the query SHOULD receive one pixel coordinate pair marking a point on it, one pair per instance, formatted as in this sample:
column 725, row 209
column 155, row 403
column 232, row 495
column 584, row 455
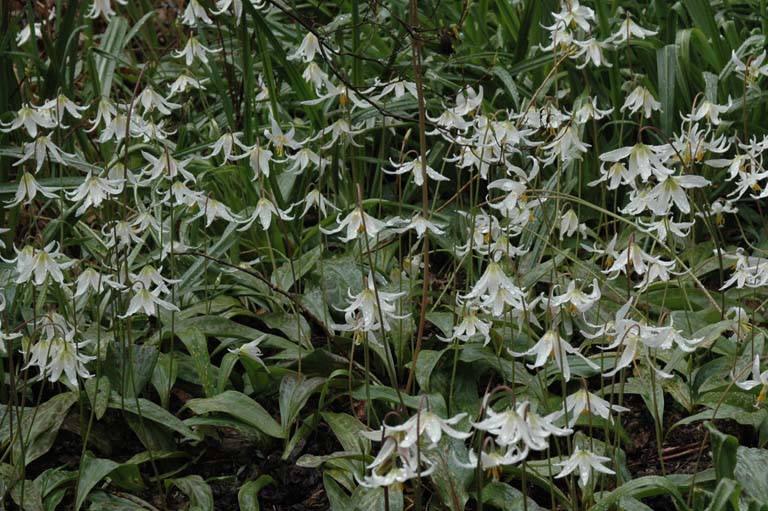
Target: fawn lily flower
column 93, row 191
column 430, row 423
column 357, row 222
column 314, row 74
column 251, row 350
column 61, row 103
column 494, row 290
column 758, row 379
column 258, row 159
column 662, row 226
column 59, row 355
column 39, row 148
column 165, row 166
column 146, row 301
column 469, row 326
column 151, row 100
column 29, row 117
column 103, row 8
column 366, row 303
column 397, row 470
column 263, row 212
column 414, row 167
column 25, row 34
column 589, row 110
column 28, row 189
column 280, row 140
column 37, row 265
column 584, row 462
column 592, row 51
column 577, row 299
column 492, row 460
column 421, row 225
column 213, row 209
column 710, row 111
column 224, row 145
column 752, row 69
column 583, row 401
column 741, row 325
column 303, row 157
column 193, row 12
column 567, row 145
column 224, row 5
column 572, row 13
column 672, row 189
column 120, row 233
column 629, row 30
column 306, row 51
column 468, row 101
column 552, row 345
column 315, row 199
column 398, row 88
column 340, row 129
column 91, row 280
column 519, row 425
column 149, row 275
column 569, row 224
column 185, row 82
column 194, row 49
column 105, row 111
column 182, row 195
column 643, row 162
column 641, row 99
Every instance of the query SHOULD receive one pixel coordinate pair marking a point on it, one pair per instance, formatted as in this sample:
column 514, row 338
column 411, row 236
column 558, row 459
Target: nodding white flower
column 395, row 469
column 263, row 212
column 225, row 145
column 165, row 166
column 121, row 234
column 468, row 101
column 184, row 83
column 213, row 209
column 569, row 224
column 589, row 110
column 494, row 290
column 567, row 146
column 251, row 350
column 572, row 13
column 414, row 167
column 258, row 158
column 519, row 426
column 60, row 104
column 719, row 208
column 750, row 70
column 757, row 380
column 356, row 223
column 149, row 276
column 469, row 326
column 421, row 225
column 303, row 157
column 397, row 88
column 93, row 191
column 29, row 188
column 629, row 30
column 306, row 51
column 280, row 140
column 105, row 112
column 577, row 299
column 709, row 111
column 551, row 344
column 195, row 11
column 448, row 120
column 25, row 33
column 31, row 118
column 741, row 325
column 144, row 221
column 583, row 401
column 672, row 189
column 641, row 99
column 151, row 100
column 315, row 199
column 59, row 355
column 430, row 423
column 342, row 130
column 146, row 301
column 492, row 460
column 644, row 161
column 369, row 307
column 194, row 49
column 592, row 51
column 181, row 194
column 36, row 265
column 224, row 5
column 314, row 74
column 103, row 8
column 91, row 280
column 584, row 462
column 40, row 148
column 662, row 226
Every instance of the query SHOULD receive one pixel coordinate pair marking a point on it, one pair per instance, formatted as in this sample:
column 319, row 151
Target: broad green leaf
column 197, row 346
column 348, row 431
column 98, row 392
column 295, row 391
column 240, row 406
column 248, row 496
column 198, row 491
column 148, row 410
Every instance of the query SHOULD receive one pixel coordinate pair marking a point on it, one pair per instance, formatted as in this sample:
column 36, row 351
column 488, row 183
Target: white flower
column 29, row 188
column 306, row 51
column 103, row 8
column 421, row 225
column 592, row 51
column 584, row 462
column 165, row 166
column 93, row 191
column 194, row 49
column 414, row 167
column 36, row 265
column 369, row 307
column 259, row 160
column 641, row 98
column 26, row 33
column 105, row 111
column 430, row 423
column 263, row 212
column 758, row 379
column 251, row 350
column 90, row 279
column 225, row 145
column 583, row 401
column 61, row 103
column 569, row 224
column 316, row 76
column 629, row 30
column 492, row 460
column 59, row 355
column 147, row 301
column 752, row 69
column 315, row 199
column 224, row 5
column 280, row 140
column 183, row 83
column 672, row 189
column 577, row 298
column 519, row 425
column 357, row 222
column 552, row 345
column 195, row 11
column 151, row 100
column 643, row 161
column 29, row 117
column 710, row 111
column 213, row 209
column 469, row 326
column 39, row 149
column 494, row 290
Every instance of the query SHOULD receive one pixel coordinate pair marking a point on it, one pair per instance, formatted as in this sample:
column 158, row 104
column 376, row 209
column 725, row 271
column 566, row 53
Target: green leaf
column 197, row 346
column 248, row 495
column 348, row 431
column 640, row 488
column 198, row 491
column 723, row 451
column 725, row 496
column 40, row 426
column 295, row 391
column 750, row 472
column 503, row 496
column 149, row 410
column 666, row 63
column 92, row 470
column 98, row 391
column 241, row 407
